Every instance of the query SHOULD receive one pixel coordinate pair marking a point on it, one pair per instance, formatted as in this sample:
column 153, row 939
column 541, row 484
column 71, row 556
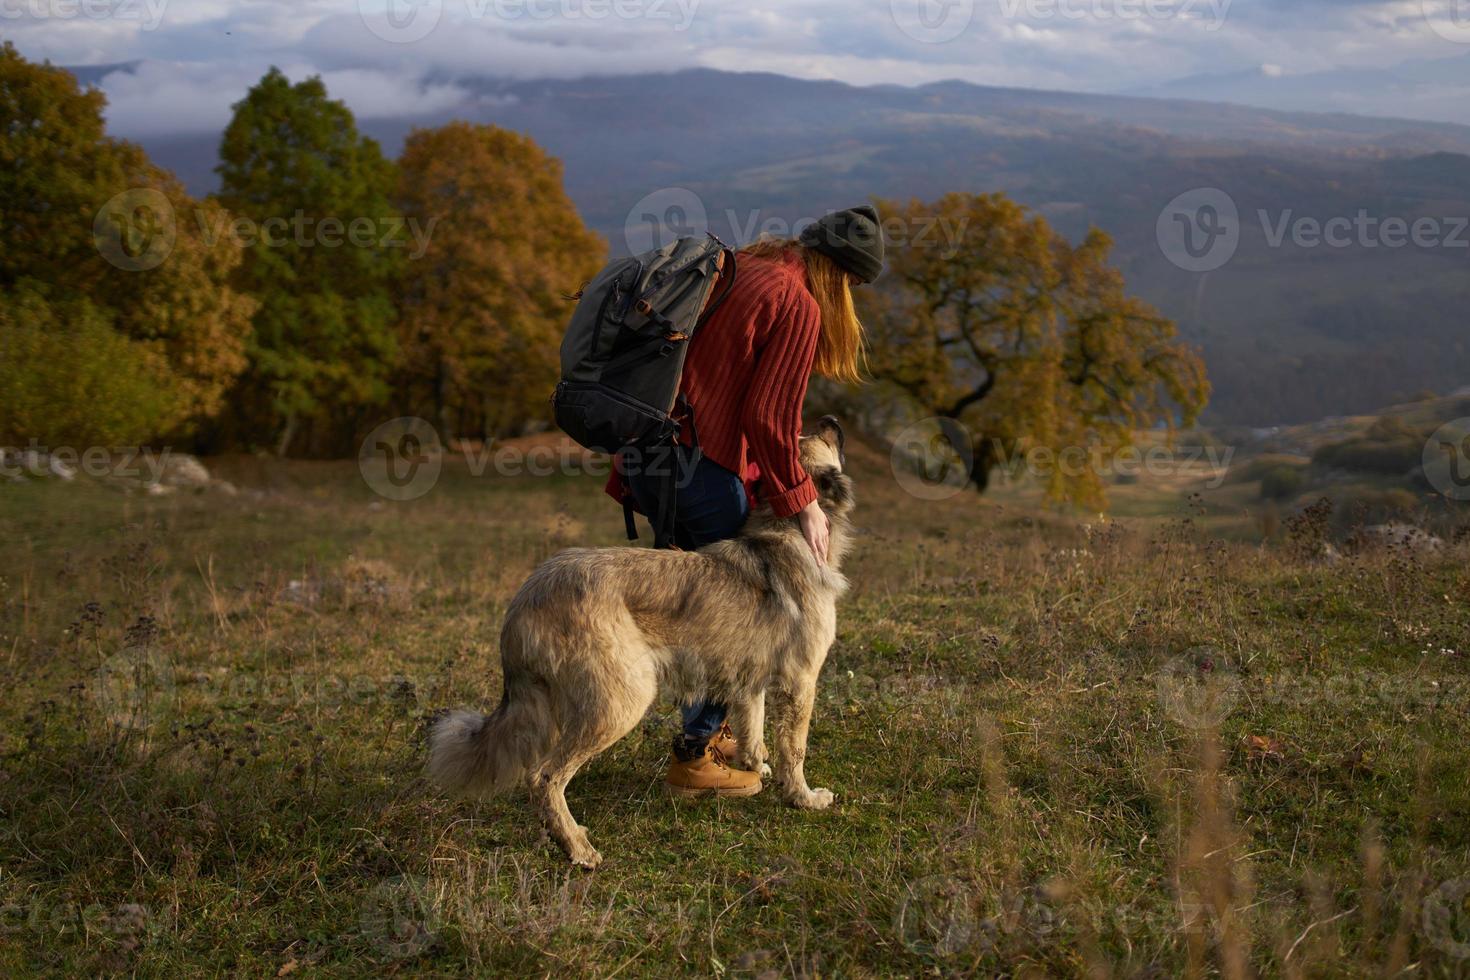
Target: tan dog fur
column 594, row 635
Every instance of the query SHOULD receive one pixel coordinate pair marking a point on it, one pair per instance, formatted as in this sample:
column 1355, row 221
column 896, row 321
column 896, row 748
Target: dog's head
column 822, row 456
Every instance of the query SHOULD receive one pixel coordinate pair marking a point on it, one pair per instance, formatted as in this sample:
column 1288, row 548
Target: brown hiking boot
column 708, row 774
column 724, row 742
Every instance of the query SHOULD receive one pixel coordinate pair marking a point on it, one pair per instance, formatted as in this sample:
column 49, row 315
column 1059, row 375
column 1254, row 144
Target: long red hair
column 842, row 348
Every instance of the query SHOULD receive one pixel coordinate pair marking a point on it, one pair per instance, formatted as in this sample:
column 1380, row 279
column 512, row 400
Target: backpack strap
column 666, row 519
column 663, row 523
column 727, row 262
column 628, row 521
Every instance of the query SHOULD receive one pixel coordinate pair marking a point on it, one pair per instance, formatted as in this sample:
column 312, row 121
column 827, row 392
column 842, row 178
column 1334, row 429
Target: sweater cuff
column 793, row 500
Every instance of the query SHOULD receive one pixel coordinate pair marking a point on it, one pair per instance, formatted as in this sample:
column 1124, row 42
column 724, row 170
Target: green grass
column 239, row 789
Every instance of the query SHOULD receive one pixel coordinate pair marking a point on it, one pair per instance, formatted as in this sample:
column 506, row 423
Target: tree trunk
column 286, row 433
column 981, row 464
column 441, row 401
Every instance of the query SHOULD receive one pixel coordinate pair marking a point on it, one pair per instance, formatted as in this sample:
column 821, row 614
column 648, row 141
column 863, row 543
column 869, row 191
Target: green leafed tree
column 322, row 248
column 989, row 317
column 118, row 319
column 483, row 309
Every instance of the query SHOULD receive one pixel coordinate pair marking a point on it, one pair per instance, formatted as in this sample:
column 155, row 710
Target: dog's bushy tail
column 478, row 755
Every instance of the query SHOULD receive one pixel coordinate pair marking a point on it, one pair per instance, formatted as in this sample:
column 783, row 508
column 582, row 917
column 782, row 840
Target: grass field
column 1062, row 746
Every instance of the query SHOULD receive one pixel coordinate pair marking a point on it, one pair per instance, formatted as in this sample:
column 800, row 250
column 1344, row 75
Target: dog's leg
column 748, row 719
column 548, row 792
column 603, row 714
column 791, row 735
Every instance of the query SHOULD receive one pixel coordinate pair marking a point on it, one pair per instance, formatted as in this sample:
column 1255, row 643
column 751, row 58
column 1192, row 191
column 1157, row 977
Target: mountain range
column 1435, row 88
column 1294, row 326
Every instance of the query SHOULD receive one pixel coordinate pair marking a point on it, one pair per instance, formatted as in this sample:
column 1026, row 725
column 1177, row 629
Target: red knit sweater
column 745, row 378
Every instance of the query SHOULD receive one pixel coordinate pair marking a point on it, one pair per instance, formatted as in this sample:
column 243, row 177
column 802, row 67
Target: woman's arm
column 786, row 345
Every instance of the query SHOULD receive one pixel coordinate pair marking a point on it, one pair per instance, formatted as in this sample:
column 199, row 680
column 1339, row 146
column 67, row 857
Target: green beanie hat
column 852, row 238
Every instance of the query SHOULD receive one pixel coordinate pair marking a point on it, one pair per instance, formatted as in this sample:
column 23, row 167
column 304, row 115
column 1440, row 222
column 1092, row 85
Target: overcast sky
column 202, row 54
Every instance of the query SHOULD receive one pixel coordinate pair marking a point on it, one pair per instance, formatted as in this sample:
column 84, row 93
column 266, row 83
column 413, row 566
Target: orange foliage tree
column 1030, row 342
column 484, row 308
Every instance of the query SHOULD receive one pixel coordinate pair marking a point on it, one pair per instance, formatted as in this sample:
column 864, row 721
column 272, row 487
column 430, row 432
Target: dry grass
column 1061, row 747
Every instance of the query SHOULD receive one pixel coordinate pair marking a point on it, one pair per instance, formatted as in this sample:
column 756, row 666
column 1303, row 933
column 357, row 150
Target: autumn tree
column 483, row 310
column 322, row 249
column 991, row 318
column 118, row 321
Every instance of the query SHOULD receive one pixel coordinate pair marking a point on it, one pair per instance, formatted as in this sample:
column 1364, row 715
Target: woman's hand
column 816, row 529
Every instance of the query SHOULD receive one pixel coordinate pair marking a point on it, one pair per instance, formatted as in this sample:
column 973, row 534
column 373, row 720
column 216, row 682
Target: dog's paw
column 753, row 760
column 765, row 770
column 585, row 856
column 581, row 852
column 816, row 799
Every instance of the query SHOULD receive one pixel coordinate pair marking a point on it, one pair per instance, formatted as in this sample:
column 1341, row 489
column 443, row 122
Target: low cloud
column 169, row 97
column 202, row 55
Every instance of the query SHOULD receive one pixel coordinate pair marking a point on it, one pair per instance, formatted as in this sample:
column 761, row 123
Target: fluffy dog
column 594, row 635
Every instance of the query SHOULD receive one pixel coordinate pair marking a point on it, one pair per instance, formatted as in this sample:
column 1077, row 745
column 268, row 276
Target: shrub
column 67, row 375
column 1255, row 471
column 1388, row 447
column 1282, row 482
column 1375, row 507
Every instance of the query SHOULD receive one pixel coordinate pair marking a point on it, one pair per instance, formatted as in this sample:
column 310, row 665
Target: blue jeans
column 709, row 505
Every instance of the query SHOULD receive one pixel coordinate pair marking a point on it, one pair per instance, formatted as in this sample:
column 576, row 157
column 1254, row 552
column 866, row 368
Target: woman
column 790, row 311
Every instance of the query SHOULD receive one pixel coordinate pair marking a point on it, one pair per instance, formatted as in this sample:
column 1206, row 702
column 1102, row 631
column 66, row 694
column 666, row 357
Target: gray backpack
column 623, row 354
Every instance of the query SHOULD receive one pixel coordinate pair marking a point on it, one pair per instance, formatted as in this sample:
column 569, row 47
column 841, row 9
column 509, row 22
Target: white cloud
column 176, row 97
column 203, row 54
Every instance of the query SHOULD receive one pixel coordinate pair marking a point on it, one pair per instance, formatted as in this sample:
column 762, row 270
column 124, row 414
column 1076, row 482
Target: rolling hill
column 1292, row 330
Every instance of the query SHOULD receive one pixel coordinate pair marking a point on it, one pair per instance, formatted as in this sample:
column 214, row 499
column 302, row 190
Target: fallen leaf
column 1264, row 746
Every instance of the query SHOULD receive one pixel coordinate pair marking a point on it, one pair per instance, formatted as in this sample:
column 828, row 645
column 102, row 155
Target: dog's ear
column 829, row 430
